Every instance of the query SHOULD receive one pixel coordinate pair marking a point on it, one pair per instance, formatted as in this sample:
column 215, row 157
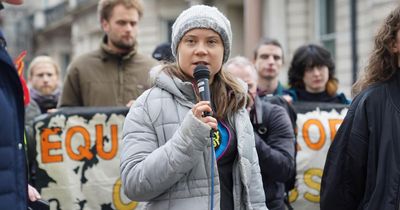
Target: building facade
column 65, row 29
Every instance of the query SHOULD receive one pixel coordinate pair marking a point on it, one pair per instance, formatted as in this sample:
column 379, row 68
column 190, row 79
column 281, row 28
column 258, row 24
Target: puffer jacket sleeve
column 257, row 196
column 255, row 186
column 147, row 169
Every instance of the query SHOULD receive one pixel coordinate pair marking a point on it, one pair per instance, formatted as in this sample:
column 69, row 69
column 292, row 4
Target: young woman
column 312, row 76
column 166, row 154
column 362, row 170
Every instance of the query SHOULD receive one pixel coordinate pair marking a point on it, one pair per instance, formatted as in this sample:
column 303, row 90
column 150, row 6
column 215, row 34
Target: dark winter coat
column 276, row 152
column 362, row 170
column 13, row 178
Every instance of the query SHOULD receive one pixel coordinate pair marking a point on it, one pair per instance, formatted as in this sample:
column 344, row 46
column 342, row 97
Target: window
column 327, row 24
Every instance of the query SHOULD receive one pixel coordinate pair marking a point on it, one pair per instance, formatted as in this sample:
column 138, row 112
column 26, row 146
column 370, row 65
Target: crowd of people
column 236, row 150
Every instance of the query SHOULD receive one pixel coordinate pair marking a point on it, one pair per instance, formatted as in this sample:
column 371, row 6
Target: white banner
column 316, row 130
column 78, row 159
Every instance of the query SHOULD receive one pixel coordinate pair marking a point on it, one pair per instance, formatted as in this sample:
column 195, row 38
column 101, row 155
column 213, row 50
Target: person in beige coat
column 115, row 74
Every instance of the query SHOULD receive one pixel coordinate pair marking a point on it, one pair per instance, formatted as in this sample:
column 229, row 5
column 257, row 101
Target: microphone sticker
column 201, row 88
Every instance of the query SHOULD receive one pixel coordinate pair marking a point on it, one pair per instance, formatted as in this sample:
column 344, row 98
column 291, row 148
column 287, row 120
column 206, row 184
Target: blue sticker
column 221, row 140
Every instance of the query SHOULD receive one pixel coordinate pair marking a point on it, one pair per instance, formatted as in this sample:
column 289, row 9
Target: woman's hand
column 33, row 193
column 198, row 111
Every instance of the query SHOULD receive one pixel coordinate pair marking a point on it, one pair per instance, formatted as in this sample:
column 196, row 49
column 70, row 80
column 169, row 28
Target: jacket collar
column 278, row 91
column 107, row 52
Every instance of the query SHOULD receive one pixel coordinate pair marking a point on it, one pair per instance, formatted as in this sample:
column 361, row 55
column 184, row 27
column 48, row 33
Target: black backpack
column 262, row 131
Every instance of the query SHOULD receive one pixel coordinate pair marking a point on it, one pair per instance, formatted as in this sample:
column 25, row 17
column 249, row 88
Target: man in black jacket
column 276, row 150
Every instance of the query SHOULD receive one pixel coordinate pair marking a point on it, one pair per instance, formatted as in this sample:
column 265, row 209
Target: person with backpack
column 274, row 136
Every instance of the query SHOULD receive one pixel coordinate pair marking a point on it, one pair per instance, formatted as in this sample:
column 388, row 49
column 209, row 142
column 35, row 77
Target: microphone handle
column 204, row 90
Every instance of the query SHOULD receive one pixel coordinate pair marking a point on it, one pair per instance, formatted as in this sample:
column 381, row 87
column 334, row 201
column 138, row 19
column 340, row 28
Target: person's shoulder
column 374, row 94
column 274, row 99
column 155, row 93
column 145, row 59
column 292, row 93
column 372, row 90
column 276, row 107
column 343, row 99
column 86, row 58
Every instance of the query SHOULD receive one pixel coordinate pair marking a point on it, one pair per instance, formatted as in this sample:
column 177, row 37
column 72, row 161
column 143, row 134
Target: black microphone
column 201, row 74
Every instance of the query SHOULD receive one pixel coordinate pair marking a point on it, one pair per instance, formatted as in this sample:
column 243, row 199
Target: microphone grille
column 201, row 72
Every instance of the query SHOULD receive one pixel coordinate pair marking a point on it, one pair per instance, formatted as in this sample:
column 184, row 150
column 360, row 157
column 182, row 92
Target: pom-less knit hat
column 202, row 16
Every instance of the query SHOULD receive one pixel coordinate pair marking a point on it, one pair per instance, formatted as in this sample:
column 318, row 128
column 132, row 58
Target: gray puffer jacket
column 165, row 157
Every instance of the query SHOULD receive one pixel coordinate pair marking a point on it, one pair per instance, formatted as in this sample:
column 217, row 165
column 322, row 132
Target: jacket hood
column 182, row 90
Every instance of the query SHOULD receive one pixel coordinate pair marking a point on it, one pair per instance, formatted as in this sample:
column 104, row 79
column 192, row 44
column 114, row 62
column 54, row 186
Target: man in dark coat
column 274, row 136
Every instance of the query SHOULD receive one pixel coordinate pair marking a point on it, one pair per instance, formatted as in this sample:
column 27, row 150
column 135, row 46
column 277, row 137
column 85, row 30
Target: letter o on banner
column 321, row 141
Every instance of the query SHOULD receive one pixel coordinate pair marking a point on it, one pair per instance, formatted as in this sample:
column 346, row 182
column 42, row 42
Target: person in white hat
column 167, row 157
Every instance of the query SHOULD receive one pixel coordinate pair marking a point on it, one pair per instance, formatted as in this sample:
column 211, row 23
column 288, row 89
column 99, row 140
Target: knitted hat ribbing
column 202, row 16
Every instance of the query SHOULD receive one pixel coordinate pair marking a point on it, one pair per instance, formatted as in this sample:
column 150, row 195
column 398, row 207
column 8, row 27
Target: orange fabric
column 20, row 65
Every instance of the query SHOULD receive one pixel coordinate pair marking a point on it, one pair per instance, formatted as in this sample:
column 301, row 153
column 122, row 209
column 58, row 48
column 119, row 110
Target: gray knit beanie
column 202, row 16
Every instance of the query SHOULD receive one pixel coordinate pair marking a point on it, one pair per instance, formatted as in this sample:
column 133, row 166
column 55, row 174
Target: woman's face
column 200, row 46
column 315, row 79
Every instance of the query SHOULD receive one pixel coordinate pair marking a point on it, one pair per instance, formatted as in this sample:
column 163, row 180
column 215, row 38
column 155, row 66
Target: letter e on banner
column 47, row 145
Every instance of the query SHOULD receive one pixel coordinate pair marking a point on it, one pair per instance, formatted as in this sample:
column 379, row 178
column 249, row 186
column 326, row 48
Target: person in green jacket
column 116, row 74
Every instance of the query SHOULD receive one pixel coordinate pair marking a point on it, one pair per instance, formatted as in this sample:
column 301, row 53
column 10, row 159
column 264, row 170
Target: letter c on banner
column 321, row 141
column 118, row 203
column 84, row 151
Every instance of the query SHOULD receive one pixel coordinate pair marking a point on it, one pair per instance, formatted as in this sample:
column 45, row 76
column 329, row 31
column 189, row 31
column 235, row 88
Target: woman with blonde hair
column 167, row 156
